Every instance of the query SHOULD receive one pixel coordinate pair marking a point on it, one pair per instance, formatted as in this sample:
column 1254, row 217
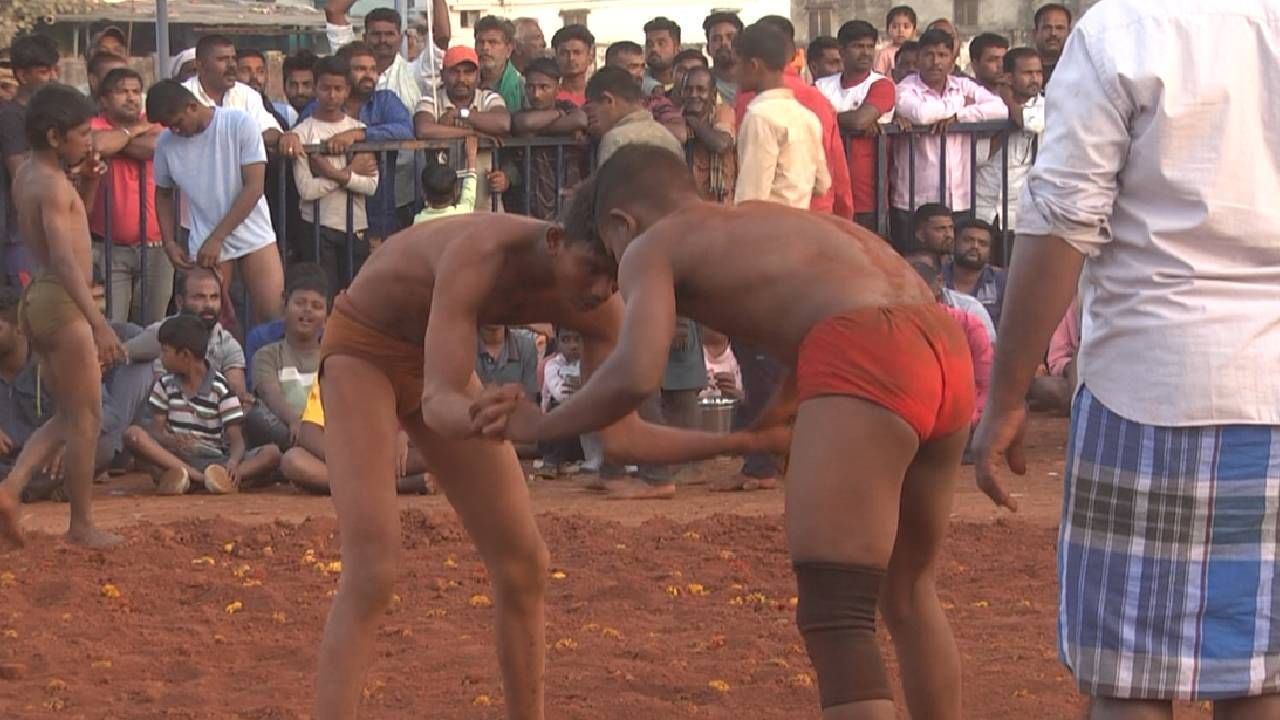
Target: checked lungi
column 1168, row 558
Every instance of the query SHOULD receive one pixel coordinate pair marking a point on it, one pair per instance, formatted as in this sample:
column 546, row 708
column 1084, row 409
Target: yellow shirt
column 314, row 411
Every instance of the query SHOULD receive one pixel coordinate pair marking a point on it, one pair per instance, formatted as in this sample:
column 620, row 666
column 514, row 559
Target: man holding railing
column 936, row 97
column 140, row 276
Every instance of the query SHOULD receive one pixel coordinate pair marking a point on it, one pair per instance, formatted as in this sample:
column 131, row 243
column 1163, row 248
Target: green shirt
column 511, row 87
column 466, row 202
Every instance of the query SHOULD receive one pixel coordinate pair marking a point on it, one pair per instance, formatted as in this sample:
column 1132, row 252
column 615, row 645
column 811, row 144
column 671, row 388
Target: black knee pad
column 837, row 617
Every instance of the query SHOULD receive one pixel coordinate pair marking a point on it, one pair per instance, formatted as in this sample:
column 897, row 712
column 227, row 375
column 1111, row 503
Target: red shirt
column 578, row 99
column 839, row 199
column 862, row 150
column 123, row 174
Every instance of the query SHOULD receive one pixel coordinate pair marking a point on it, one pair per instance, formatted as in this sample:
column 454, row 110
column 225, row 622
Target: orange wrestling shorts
column 346, row 334
column 912, row 360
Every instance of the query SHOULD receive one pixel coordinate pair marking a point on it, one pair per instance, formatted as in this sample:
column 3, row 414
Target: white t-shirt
column 332, row 199
column 725, row 362
column 206, row 168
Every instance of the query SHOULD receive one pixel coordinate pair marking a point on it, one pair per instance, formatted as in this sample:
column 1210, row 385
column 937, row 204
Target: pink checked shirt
column 968, row 102
column 982, row 352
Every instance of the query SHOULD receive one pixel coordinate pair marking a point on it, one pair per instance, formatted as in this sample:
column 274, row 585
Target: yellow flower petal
column 719, row 686
column 110, row 591
column 480, row 601
column 233, row 607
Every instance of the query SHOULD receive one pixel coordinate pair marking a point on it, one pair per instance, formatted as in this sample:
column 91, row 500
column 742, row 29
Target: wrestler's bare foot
column 92, row 537
column 742, row 483
column 635, row 489
column 11, row 519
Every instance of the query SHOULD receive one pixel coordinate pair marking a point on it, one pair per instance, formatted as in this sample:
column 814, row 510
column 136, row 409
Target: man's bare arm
column 492, row 122
column 426, row 128
column 860, row 120
column 335, row 12
column 440, row 29
column 717, row 141
column 142, row 146
column 548, row 122
column 464, row 280
column 12, row 163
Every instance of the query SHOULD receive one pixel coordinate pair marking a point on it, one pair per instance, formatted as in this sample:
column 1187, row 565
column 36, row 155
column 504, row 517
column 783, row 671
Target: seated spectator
column 199, row 295
column 823, row 58
column 575, row 48
column 899, row 27
column 724, row 375
column 467, row 110
column 561, row 376
column 685, row 61
column 284, row 371
column 303, row 464
column 616, row 115
column 507, row 355
column 713, row 152
column 554, row 170
column 937, row 98
column 1055, row 385
column 907, row 62
column 127, row 141
column 447, row 192
column 630, row 57
column 981, row 349
column 933, row 245
column 196, row 432
column 971, row 272
column 326, row 179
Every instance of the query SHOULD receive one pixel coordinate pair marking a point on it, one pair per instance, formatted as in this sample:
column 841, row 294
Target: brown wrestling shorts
column 45, row 307
column 401, row 361
column 912, row 360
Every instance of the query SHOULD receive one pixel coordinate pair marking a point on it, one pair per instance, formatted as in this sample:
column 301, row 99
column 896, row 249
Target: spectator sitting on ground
column 823, row 58
column 575, row 52
column 545, row 115
column 899, row 28
column 561, row 377
column 1053, row 388
column 303, row 464
column 907, row 62
column 980, row 346
column 328, row 179
column 284, row 371
column 199, row 295
column 447, row 192
column 970, row 270
column 196, row 432
column 934, row 245
column 724, row 375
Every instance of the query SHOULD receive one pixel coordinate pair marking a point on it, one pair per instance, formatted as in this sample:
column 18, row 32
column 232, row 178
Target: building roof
column 277, row 13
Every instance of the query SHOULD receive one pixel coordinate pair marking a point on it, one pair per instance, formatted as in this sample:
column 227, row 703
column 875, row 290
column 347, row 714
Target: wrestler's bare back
column 394, row 289
column 44, row 197
column 768, row 273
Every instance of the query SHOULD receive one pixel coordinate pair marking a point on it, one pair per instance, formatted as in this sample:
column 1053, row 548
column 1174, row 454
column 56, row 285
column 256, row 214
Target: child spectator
column 303, row 465
column 561, row 377
column 195, row 433
column 908, row 58
column 440, row 187
column 899, row 28
column 724, row 375
column 284, row 371
column 330, row 178
column 980, row 347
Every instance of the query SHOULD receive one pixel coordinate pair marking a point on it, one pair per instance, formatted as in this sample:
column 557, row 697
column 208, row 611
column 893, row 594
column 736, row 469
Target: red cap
column 459, row 54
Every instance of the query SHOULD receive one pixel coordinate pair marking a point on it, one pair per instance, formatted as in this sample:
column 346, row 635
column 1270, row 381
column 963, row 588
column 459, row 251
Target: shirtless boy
column 58, row 313
column 881, row 380
column 399, row 352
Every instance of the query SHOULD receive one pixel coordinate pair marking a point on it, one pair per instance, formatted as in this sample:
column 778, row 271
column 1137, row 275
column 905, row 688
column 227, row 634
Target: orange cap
column 459, row 54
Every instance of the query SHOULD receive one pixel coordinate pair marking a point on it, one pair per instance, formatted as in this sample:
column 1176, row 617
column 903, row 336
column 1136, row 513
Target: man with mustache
column 495, row 38
column 1053, row 25
column 661, row 43
column 1022, row 94
column 970, row 271
column 127, row 141
column 466, row 110
column 531, row 43
column 711, row 127
column 721, row 29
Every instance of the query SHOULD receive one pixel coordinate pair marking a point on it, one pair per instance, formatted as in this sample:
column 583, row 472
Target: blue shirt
column 386, row 119
column 260, row 336
column 989, row 289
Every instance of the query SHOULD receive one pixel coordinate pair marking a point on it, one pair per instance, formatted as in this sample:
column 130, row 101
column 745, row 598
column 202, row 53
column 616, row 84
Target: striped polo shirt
column 203, row 414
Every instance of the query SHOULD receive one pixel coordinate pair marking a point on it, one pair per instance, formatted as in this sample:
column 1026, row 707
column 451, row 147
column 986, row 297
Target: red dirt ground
column 676, row 609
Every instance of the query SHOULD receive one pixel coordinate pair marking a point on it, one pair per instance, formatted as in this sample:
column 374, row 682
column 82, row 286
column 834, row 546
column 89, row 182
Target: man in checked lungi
column 1156, row 189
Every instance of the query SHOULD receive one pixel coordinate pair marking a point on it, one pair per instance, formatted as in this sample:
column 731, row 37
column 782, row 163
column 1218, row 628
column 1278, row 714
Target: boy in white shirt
column 561, row 377
column 724, row 375
column 324, row 181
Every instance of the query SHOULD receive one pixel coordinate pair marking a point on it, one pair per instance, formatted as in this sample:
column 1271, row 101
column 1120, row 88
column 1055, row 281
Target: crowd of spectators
column 194, row 163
